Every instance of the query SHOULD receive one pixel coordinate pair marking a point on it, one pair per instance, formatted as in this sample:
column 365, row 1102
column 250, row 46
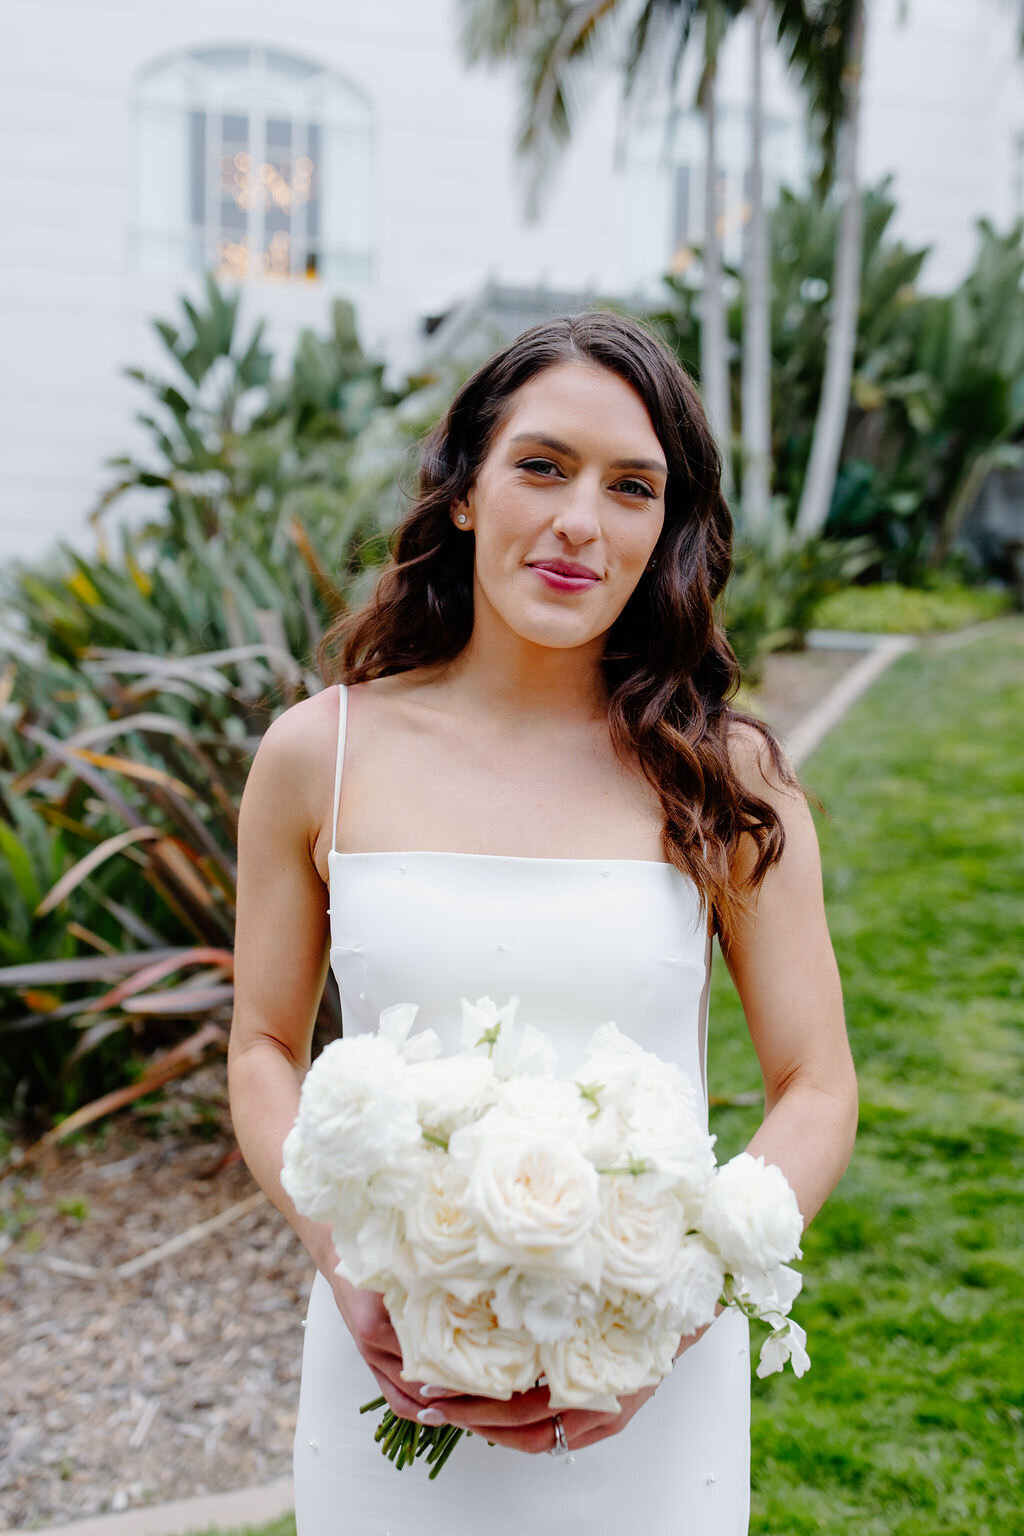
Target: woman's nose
column 577, row 516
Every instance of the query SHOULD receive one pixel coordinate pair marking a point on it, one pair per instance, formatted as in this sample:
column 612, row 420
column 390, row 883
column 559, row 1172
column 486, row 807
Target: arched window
column 253, row 162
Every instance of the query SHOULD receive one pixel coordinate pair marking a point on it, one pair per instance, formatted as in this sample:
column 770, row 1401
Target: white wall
column 943, row 94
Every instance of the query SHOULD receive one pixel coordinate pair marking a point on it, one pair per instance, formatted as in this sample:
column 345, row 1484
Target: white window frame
column 261, row 84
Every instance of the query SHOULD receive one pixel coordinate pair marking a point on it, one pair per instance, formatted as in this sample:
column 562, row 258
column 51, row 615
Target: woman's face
column 567, row 506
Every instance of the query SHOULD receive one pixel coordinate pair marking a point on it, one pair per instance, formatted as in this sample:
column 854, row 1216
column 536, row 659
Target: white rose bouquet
column 522, row 1224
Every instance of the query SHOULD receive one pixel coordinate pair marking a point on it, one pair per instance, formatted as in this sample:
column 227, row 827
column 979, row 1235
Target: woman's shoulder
column 758, row 759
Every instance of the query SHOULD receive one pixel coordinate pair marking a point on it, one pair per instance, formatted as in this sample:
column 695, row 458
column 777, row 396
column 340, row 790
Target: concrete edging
column 811, row 731
column 225, row 1511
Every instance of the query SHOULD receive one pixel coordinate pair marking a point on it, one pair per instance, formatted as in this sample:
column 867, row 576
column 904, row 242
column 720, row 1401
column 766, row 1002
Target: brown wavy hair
column 668, row 668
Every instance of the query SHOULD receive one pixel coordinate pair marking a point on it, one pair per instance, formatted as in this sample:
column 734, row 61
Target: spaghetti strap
column 342, row 721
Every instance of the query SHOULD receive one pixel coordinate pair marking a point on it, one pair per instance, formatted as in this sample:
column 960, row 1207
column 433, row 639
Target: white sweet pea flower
column 460, row 1345
column 770, row 1291
column 394, row 1025
column 356, row 1112
column 751, row 1215
column 514, row 1049
column 786, row 1343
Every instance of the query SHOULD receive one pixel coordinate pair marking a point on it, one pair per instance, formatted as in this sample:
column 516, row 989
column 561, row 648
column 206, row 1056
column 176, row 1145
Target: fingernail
column 431, row 1416
column 429, row 1391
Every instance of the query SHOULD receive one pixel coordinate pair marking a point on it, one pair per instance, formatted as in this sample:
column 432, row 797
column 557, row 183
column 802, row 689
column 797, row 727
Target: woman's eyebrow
column 654, row 465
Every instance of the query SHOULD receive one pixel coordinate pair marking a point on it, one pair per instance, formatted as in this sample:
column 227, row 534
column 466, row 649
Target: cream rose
column 638, row 1231
column 441, row 1233
column 602, row 1359
column 461, row 1345
column 532, row 1191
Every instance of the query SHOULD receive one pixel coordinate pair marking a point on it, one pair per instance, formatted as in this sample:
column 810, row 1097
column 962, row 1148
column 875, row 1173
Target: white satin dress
column 579, row 941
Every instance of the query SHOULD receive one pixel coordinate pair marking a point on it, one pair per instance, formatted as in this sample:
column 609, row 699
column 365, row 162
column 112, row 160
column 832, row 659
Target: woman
column 539, row 789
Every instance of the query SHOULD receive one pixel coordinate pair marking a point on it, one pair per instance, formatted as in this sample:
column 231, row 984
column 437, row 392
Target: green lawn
column 910, row 1420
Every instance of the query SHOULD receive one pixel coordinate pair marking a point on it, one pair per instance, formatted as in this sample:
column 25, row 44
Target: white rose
column 460, row 1345
column 370, row 1261
column 304, row 1180
column 356, row 1111
column 751, row 1215
column 601, row 1359
column 452, row 1091
column 394, row 1025
column 532, row 1191
column 694, row 1288
column 639, row 1231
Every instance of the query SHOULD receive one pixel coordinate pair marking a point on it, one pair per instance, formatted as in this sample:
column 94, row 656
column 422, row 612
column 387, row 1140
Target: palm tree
column 842, row 32
column 556, row 42
column 757, row 429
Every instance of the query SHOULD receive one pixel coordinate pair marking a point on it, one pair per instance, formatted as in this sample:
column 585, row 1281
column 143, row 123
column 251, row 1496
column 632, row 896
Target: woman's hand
column 526, row 1421
column 367, row 1320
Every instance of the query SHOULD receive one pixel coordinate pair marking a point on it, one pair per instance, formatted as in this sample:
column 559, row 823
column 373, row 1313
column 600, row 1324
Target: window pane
column 222, row 58
column 279, row 133
column 292, row 68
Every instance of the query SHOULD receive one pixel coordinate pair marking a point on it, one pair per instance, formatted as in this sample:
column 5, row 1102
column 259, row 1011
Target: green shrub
column 887, row 608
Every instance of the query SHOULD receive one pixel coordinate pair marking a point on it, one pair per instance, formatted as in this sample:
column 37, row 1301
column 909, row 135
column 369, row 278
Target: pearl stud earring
column 461, row 517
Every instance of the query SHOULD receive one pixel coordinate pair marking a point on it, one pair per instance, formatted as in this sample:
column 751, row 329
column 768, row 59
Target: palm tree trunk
column 756, row 336
column 833, row 406
column 714, row 360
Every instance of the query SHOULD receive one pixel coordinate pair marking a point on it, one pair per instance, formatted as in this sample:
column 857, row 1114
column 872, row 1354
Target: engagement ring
column 561, row 1445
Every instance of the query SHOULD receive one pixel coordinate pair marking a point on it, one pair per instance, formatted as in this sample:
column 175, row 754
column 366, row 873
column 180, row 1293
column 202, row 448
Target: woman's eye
column 539, row 466
column 636, row 488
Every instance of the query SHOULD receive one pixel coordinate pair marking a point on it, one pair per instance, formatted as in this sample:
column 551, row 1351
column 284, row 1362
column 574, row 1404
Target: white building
column 326, row 147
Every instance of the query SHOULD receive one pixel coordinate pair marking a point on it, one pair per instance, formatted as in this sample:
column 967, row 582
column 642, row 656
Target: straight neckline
column 504, row 858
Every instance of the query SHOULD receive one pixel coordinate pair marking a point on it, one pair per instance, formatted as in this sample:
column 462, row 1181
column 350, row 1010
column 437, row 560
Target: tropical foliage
column 136, row 684
column 938, row 385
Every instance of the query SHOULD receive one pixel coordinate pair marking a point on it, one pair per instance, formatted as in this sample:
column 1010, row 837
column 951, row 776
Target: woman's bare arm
column 782, row 963
column 281, row 955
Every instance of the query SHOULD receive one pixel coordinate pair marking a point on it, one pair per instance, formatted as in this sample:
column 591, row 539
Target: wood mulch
column 121, row 1388
column 135, row 1369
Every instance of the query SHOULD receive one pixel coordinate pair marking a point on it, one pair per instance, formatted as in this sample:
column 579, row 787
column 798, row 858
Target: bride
column 530, row 780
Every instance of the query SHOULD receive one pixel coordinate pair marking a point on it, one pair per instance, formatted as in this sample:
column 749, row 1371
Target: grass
column 910, row 1420
column 888, row 608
